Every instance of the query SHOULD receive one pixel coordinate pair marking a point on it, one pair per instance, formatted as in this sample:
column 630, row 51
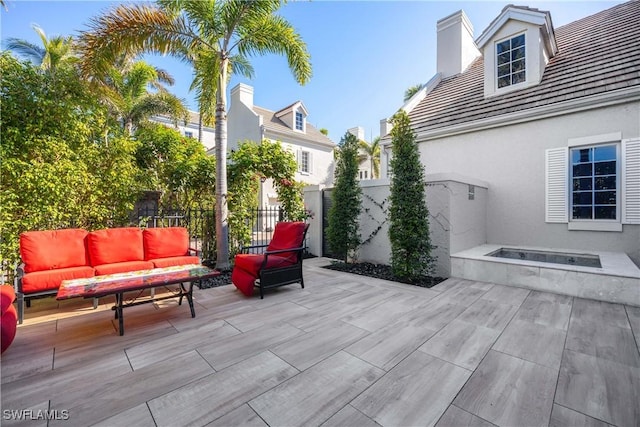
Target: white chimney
column 242, row 93
column 358, row 132
column 456, row 48
column 385, row 127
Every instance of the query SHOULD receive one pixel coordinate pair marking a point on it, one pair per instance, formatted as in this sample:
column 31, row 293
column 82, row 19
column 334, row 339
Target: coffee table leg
column 119, row 312
column 189, row 295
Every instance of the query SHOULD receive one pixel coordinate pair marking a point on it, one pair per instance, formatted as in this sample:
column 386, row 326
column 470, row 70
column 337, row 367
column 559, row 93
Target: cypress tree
column 408, row 213
column 343, row 230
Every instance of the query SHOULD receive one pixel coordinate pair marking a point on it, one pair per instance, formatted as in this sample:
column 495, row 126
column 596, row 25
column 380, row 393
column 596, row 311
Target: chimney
column 358, row 132
column 456, row 48
column 242, row 93
column 385, row 127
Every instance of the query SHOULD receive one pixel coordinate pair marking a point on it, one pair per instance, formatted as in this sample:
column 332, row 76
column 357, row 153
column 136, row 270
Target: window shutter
column 299, row 160
column 556, row 185
column 310, row 163
column 631, row 181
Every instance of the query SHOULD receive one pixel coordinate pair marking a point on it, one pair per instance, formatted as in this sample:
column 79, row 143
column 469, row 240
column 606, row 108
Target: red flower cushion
column 165, row 242
column 53, row 249
column 115, row 245
column 39, row 281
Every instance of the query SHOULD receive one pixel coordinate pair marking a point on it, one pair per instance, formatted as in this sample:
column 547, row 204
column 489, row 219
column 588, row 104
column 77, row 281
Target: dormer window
column 511, row 61
column 299, row 121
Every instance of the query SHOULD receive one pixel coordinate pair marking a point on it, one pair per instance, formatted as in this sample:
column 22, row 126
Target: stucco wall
column 511, row 159
column 242, row 124
column 455, row 222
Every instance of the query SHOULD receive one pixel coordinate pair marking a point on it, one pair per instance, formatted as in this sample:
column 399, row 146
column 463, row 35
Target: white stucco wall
column 242, row 124
column 208, row 134
column 511, row 159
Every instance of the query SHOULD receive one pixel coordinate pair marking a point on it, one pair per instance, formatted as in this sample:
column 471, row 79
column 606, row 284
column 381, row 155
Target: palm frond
column 132, row 30
column 273, row 34
column 26, row 50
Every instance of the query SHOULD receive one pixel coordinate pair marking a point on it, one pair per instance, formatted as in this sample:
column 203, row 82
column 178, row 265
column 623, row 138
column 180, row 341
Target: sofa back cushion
column 115, row 245
column 165, row 242
column 53, row 249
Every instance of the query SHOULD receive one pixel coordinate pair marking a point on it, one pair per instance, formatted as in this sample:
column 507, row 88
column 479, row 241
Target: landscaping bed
column 381, row 271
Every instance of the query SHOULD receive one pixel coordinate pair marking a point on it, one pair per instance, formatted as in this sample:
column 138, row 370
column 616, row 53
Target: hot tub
column 583, row 260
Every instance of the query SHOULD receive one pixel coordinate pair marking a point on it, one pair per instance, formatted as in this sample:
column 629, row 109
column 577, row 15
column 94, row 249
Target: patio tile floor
column 345, row 351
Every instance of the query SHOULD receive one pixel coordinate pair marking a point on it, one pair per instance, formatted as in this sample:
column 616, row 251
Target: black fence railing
column 201, row 226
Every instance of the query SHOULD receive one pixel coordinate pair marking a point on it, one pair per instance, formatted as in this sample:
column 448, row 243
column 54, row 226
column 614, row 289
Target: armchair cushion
column 53, row 249
column 287, row 235
column 247, row 269
column 115, row 245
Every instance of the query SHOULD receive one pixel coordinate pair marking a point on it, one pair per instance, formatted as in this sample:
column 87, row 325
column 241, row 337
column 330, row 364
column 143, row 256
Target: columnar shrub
column 343, row 231
column 408, row 213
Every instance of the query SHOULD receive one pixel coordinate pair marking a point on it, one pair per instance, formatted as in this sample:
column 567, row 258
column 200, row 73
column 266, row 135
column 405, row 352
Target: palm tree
column 54, row 52
column 411, row 91
column 125, row 90
column 371, row 152
column 216, row 38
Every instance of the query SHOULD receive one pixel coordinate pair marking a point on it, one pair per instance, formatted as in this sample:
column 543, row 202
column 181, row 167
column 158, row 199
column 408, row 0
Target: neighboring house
column 190, row 129
column 312, row 149
column 548, row 117
column 364, row 166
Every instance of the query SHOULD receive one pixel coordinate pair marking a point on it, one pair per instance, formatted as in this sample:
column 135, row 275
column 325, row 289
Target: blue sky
column 364, row 53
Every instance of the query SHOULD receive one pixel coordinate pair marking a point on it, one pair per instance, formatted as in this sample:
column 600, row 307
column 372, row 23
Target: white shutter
column 310, row 163
column 631, row 181
column 556, row 185
column 299, row 160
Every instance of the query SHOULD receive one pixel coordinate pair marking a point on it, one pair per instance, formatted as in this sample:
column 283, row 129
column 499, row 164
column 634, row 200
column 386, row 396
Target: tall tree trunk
column 200, row 126
column 222, row 224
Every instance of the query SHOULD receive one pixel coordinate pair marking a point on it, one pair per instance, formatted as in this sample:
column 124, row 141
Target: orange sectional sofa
column 49, row 257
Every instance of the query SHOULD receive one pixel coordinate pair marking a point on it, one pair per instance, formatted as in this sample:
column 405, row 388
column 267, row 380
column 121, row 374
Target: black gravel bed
column 381, row 271
column 222, row 280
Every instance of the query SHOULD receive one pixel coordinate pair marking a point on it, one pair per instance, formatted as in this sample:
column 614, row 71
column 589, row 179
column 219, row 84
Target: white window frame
column 602, row 223
column 303, row 154
column 298, row 114
column 510, row 86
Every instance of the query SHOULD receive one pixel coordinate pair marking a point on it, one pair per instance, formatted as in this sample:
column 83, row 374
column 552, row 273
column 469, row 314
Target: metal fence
column 201, row 226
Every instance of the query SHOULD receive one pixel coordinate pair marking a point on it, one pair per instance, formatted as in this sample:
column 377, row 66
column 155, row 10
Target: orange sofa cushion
column 53, row 249
column 165, row 242
column 39, row 281
column 175, row 260
column 122, row 267
column 115, row 245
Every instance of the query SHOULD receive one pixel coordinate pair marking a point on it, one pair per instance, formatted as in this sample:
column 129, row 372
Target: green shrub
column 343, row 230
column 408, row 213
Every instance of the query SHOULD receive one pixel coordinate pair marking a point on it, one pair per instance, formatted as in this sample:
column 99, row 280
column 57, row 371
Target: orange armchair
column 280, row 264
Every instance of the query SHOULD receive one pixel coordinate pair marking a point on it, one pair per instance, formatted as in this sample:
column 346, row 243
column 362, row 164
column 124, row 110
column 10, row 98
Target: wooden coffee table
column 118, row 284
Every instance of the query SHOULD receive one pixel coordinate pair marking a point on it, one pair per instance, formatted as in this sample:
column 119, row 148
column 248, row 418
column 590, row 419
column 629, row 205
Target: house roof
column 274, row 125
column 596, row 54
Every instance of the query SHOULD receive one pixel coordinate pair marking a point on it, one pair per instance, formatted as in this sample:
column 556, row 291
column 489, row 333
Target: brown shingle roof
column 274, row 124
column 596, row 54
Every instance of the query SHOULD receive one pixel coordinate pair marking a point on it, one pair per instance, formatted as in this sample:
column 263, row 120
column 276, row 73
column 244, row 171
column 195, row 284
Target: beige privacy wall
column 457, row 218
